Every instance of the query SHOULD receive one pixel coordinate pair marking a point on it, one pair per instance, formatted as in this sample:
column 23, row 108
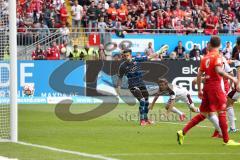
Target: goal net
column 8, row 74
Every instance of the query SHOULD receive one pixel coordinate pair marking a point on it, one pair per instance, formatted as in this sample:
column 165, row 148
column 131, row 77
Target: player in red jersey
column 213, row 95
column 212, row 117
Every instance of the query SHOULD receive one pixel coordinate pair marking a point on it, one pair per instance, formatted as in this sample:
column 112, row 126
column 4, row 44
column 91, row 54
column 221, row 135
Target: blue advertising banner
column 140, row 41
column 38, row 73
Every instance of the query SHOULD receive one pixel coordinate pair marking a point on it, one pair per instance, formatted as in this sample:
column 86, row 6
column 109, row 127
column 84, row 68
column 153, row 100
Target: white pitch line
column 162, row 154
column 95, row 156
column 182, row 124
column 6, row 158
column 200, row 126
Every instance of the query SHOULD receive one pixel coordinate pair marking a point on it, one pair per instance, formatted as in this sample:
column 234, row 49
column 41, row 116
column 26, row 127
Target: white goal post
column 8, row 72
column 13, row 70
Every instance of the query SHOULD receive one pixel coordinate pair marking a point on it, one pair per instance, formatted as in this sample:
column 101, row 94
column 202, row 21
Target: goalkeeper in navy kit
column 132, row 70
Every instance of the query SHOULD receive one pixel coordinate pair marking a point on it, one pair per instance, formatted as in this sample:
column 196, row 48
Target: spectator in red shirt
column 53, row 53
column 37, row 5
column 122, row 13
column 112, row 12
column 141, row 23
column 63, row 14
column 178, row 12
column 19, row 8
column 184, row 3
column 21, row 2
column 211, row 24
column 167, row 23
column 197, row 2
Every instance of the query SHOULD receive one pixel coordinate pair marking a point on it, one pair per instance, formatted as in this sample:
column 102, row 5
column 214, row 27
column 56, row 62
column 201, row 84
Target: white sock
column 175, row 110
column 198, row 110
column 231, row 117
column 214, row 119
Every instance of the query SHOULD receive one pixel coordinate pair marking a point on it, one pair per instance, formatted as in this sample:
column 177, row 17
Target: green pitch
column 116, row 135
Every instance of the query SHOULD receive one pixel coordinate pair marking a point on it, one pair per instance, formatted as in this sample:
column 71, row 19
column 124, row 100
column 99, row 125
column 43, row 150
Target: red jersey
column 63, row 14
column 160, row 22
column 214, row 97
column 112, row 12
column 212, row 20
column 185, row 3
column 53, row 53
column 198, row 2
column 122, row 14
column 208, row 64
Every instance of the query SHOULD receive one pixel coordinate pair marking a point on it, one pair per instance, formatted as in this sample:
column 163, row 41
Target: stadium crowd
column 186, row 16
column 180, row 16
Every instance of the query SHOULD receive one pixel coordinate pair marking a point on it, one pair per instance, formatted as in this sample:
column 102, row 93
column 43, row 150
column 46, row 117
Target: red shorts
column 214, row 99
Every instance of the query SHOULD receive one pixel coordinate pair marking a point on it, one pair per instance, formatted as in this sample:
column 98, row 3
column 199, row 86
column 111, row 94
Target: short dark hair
column 215, row 41
column 238, row 41
column 162, row 80
column 127, row 51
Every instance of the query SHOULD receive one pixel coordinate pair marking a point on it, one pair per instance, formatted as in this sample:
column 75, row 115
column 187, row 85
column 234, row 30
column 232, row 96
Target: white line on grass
column 6, row 158
column 163, row 154
column 200, row 126
column 103, row 156
column 95, row 156
column 177, row 123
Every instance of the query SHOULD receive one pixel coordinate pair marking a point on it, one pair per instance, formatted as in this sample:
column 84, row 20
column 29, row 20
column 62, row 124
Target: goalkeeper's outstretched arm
column 154, row 101
column 119, row 84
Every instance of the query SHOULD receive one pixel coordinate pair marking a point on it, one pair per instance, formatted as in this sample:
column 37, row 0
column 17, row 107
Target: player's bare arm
column 199, row 83
column 224, row 74
column 195, row 80
column 154, row 100
column 170, row 105
column 238, row 77
column 119, row 83
column 231, row 82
